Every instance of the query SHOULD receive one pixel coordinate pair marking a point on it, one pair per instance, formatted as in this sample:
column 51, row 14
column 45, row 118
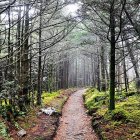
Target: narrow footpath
column 75, row 124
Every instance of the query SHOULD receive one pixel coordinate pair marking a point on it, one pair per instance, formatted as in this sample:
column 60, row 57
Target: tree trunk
column 112, row 57
column 133, row 60
column 125, row 73
column 103, row 85
column 24, row 60
column 39, row 62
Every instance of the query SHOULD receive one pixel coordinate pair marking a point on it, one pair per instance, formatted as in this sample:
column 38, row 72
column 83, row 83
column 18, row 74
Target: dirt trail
column 75, row 124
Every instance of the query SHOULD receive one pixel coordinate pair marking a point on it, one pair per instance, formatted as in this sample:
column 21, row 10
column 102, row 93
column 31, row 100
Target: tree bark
column 112, row 57
column 39, row 61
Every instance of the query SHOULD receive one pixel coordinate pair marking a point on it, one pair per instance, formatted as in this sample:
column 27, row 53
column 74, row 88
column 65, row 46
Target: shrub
column 3, row 130
column 117, row 115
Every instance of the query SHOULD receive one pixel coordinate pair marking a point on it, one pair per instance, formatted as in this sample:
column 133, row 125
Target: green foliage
column 16, row 125
column 48, row 97
column 9, row 89
column 127, row 105
column 3, row 130
column 132, row 87
column 9, row 113
column 5, row 111
column 132, row 106
column 110, row 124
column 77, row 36
column 116, row 123
column 130, row 93
column 94, row 99
column 116, row 115
column 21, row 113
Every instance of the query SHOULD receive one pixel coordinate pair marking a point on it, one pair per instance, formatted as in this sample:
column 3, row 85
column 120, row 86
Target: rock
column 94, row 114
column 48, row 111
column 90, row 112
column 38, row 114
column 97, row 117
column 95, row 124
column 21, row 133
column 87, row 111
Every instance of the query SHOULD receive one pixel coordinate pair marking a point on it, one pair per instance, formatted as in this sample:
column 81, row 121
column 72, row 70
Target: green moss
column 48, row 97
column 125, row 116
column 116, row 123
column 102, row 111
column 56, row 99
column 94, row 99
column 127, row 107
column 132, row 106
column 116, row 115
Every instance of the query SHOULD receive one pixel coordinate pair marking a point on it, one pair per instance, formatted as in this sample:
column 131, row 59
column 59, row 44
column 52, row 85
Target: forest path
column 75, row 124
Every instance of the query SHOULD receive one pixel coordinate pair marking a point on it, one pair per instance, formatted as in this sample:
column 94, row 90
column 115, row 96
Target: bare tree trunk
column 92, row 71
column 103, row 85
column 25, row 61
column 112, row 57
column 125, row 73
column 133, row 60
column 98, row 72
column 18, row 72
column 39, row 61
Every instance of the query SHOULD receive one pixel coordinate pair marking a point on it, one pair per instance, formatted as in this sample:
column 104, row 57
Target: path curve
column 74, row 123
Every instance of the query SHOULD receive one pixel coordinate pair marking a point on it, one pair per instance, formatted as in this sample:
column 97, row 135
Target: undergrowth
column 127, row 106
column 4, row 130
column 126, row 114
column 48, row 97
column 28, row 120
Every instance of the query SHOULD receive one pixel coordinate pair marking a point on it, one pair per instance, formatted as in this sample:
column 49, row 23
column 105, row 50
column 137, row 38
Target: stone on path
column 21, row 133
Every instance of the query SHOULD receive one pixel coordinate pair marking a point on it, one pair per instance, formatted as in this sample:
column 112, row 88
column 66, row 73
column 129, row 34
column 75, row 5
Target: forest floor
column 75, row 124
column 38, row 126
column 123, row 123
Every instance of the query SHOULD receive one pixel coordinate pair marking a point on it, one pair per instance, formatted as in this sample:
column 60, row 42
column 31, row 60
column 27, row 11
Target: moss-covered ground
column 121, row 124
column 38, row 126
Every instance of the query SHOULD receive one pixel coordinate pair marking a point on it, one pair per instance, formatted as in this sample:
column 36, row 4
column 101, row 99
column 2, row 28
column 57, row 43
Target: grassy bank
column 120, row 124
